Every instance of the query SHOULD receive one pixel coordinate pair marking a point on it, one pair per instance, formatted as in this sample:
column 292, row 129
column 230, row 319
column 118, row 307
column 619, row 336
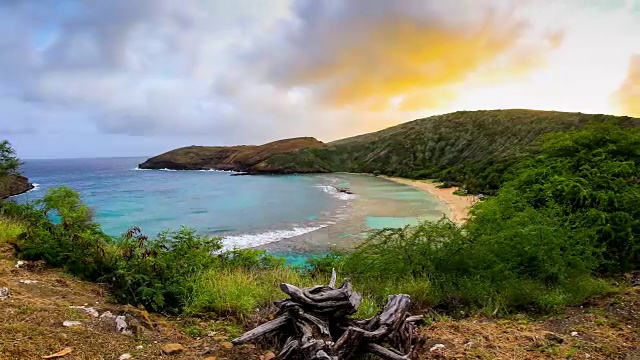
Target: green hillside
column 473, row 148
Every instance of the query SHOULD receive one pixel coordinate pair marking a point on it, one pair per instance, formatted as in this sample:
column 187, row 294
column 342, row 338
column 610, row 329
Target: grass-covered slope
column 245, row 158
column 470, row 147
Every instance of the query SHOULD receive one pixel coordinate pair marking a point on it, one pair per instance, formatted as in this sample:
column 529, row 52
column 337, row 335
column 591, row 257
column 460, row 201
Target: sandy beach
column 458, row 205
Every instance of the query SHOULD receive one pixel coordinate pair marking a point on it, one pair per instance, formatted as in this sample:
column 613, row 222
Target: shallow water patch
column 383, row 222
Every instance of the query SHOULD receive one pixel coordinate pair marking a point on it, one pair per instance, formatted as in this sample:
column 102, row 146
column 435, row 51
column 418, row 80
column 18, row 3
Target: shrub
column 323, row 264
column 252, row 259
column 405, row 252
column 520, row 262
column 73, row 242
column 158, row 273
column 444, row 185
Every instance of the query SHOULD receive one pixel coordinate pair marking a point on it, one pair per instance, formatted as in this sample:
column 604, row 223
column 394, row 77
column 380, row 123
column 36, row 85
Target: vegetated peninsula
column 471, row 148
column 243, row 158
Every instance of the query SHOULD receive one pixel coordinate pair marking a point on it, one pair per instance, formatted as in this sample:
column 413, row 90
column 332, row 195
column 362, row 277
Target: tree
column 9, row 162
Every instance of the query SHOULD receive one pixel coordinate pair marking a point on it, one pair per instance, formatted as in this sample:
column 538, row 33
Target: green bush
column 592, row 176
column 451, row 268
column 252, row 259
column 73, row 241
column 158, row 273
column 444, row 185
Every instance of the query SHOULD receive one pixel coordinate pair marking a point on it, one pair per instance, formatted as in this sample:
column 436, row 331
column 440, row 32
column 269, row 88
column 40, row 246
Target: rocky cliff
column 252, row 159
column 14, row 185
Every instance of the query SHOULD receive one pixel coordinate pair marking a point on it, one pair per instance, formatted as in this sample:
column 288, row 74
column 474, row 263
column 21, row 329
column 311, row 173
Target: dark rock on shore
column 12, row 185
column 270, row 158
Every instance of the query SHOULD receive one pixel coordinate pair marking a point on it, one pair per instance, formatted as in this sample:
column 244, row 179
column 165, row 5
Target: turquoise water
column 244, row 210
column 382, row 222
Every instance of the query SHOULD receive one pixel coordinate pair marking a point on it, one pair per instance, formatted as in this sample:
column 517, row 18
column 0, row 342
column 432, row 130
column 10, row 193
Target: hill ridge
column 466, row 147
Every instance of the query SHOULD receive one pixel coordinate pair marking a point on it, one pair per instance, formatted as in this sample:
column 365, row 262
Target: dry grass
column 31, row 322
column 606, row 329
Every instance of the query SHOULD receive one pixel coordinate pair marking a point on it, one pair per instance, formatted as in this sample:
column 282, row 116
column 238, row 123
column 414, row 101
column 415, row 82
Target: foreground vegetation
column 565, row 222
column 30, row 326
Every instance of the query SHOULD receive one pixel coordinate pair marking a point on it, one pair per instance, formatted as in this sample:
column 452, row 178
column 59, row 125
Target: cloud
column 363, row 54
column 251, row 71
column 137, row 68
column 628, row 96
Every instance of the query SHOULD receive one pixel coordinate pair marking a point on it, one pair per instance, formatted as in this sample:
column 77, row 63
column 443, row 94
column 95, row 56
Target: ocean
column 246, row 211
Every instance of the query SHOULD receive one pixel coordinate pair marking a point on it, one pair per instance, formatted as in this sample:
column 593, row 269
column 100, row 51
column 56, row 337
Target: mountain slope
column 473, row 148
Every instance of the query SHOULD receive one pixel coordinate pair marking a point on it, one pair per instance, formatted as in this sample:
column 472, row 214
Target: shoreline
column 347, row 232
column 458, row 205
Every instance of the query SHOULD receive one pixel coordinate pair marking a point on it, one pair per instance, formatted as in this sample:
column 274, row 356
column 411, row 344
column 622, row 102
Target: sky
column 94, row 78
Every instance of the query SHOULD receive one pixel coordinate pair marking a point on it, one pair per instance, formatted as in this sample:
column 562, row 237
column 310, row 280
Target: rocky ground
column 42, row 301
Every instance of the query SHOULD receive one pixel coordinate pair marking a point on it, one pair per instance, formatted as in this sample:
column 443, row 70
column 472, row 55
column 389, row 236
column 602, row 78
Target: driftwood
column 313, row 323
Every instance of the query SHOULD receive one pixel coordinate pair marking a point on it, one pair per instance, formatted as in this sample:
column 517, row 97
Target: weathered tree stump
column 314, row 323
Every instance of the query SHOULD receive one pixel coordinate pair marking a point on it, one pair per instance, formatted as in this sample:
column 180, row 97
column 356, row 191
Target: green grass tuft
column 10, row 229
column 240, row 292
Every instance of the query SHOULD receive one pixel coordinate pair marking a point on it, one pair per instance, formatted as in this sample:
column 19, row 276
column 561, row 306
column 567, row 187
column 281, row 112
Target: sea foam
column 251, row 240
column 207, row 170
column 335, row 193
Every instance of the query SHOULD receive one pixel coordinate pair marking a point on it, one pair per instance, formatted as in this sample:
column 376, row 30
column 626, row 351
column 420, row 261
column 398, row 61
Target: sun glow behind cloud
column 583, row 74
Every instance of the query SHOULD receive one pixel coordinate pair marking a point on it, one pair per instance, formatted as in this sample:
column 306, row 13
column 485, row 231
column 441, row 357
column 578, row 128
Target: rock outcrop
column 270, row 158
column 14, row 185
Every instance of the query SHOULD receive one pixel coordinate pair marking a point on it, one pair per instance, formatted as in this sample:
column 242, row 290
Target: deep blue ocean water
column 246, row 210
